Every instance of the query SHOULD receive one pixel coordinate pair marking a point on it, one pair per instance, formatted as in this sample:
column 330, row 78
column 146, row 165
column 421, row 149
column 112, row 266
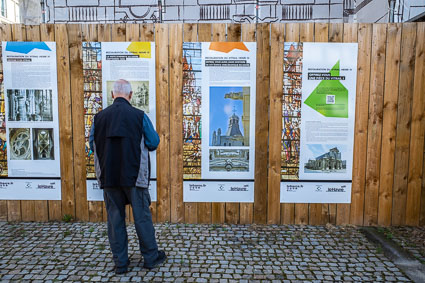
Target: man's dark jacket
column 121, row 156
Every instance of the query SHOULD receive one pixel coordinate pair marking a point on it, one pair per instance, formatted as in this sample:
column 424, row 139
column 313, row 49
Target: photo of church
column 229, row 116
column 229, row 129
column 327, row 162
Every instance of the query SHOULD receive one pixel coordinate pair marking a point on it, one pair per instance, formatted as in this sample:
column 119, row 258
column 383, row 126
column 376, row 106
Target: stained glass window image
column 3, row 143
column 291, row 110
column 92, row 72
column 192, row 129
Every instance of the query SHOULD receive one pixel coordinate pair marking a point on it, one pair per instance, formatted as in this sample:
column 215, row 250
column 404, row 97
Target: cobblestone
column 196, row 253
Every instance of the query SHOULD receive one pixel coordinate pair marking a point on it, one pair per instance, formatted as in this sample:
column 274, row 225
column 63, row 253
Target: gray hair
column 122, row 87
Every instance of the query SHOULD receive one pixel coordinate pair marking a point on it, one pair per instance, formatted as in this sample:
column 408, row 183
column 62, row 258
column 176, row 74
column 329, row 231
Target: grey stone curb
column 413, row 268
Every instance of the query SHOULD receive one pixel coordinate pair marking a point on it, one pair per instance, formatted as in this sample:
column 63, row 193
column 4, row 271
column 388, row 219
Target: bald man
column 121, row 138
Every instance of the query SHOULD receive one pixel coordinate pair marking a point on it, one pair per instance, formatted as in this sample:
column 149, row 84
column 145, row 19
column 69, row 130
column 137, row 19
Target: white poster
column 30, row 189
column 216, row 191
column 94, row 193
column 315, row 192
column 134, row 62
column 228, row 110
column 31, row 102
column 329, row 73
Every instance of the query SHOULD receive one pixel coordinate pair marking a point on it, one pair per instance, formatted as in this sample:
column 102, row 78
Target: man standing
column 121, row 138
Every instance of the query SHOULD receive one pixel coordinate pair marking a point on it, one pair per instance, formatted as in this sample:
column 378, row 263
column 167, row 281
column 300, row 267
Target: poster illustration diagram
column 319, row 92
column 29, row 122
column 103, row 64
column 218, row 120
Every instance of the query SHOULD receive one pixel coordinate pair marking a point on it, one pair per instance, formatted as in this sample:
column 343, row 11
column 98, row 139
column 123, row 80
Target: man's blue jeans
column 139, row 198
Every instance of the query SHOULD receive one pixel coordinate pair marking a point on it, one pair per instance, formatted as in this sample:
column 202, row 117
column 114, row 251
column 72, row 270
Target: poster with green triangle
column 330, row 97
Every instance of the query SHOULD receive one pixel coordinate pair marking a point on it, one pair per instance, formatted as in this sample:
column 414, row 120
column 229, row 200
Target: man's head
column 122, row 88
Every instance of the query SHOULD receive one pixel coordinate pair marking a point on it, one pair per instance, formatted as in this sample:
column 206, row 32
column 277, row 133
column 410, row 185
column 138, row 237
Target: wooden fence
column 388, row 183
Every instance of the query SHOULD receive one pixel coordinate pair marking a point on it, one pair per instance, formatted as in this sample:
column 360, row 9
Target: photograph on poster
column 140, row 97
column 229, row 160
column 20, row 143
column 192, row 119
column 43, row 144
column 30, row 105
column 229, row 117
column 291, row 109
column 326, row 159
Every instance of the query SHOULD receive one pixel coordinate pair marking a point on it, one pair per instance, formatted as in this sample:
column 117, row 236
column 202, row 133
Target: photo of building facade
column 327, row 162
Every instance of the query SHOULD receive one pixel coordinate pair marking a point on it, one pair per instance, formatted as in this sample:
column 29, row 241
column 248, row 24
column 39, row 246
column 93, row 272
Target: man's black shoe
column 160, row 259
column 122, row 269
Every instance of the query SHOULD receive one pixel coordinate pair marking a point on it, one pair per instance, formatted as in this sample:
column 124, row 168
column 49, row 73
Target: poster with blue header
column 30, row 122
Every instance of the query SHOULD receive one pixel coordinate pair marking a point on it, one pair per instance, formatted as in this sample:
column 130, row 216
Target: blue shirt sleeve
column 91, row 138
column 151, row 136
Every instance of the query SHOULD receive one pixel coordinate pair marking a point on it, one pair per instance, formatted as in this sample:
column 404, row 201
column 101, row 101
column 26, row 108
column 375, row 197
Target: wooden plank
column 343, row 209
column 302, row 209
column 176, row 122
column 28, row 206
column 414, row 180
column 5, row 35
column 261, row 123
column 47, row 32
column 163, row 122
column 275, row 124
column 190, row 208
column 65, row 122
column 374, row 131
column 361, row 122
column 292, row 34
column 389, row 124
column 132, row 32
column 147, row 33
column 77, row 91
column 404, row 120
column 247, row 209
column 234, row 33
column 14, row 206
column 336, row 31
column 205, row 208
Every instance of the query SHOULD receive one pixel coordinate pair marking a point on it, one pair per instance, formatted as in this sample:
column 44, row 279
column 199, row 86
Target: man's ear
column 131, row 94
column 112, row 93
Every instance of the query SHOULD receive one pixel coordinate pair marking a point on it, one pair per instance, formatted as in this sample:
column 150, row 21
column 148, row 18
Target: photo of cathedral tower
column 229, row 106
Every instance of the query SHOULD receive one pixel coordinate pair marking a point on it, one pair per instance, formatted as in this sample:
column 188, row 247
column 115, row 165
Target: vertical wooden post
column 360, row 130
column 262, row 123
column 163, row 121
column 275, row 124
column 77, row 96
column 376, row 97
column 404, row 120
column 65, row 120
column 417, row 132
column 389, row 123
column 176, row 122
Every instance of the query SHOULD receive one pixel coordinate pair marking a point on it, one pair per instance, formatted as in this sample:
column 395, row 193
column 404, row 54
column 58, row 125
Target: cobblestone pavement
column 410, row 238
column 199, row 253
